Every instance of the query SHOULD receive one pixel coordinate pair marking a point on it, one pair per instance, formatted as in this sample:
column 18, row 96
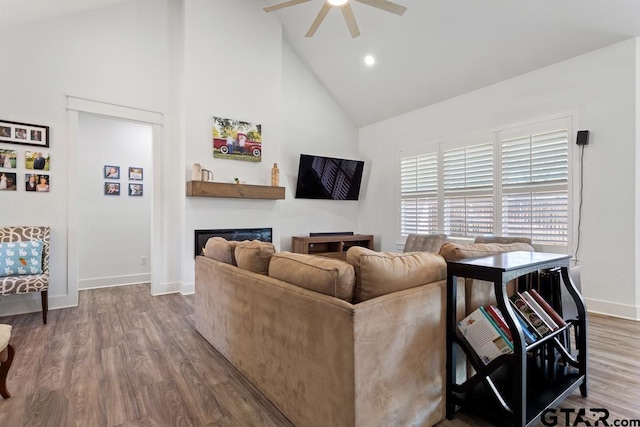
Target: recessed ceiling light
column 337, row 2
column 369, row 60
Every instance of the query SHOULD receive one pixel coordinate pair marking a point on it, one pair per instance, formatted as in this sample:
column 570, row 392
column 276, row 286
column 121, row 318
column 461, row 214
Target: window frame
column 496, row 135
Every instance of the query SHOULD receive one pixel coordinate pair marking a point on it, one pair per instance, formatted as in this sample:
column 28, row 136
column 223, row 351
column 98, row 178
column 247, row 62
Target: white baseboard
column 614, row 309
column 13, row 305
column 105, row 282
column 166, row 288
column 188, row 289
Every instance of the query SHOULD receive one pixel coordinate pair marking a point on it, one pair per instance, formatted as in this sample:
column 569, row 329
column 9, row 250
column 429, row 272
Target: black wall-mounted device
column 583, row 137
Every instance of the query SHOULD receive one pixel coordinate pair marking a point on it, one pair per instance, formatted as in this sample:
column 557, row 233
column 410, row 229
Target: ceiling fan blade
column 283, row 5
column 316, row 23
column 350, row 19
column 385, row 5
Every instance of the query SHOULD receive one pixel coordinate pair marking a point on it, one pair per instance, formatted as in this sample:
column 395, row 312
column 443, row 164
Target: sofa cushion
column 479, row 292
column 221, row 249
column 19, row 258
column 424, row 242
column 254, row 256
column 501, row 239
column 380, row 273
column 457, row 251
column 328, row 276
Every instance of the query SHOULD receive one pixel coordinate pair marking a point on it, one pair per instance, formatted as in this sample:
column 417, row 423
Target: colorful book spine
column 494, row 312
column 497, row 327
column 547, row 307
column 529, row 336
column 529, row 315
column 539, row 310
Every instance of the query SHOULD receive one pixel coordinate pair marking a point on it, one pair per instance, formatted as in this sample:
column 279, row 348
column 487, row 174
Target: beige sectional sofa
column 328, row 342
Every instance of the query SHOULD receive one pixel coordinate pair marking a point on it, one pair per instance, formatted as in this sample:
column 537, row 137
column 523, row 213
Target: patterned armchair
column 6, row 358
column 26, row 283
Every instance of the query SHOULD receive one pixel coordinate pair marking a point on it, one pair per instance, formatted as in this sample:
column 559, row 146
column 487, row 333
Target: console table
column 334, row 246
column 515, row 389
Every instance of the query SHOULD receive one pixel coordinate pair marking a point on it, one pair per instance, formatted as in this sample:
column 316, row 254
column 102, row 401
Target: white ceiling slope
column 14, row 12
column 439, row 48
column 443, row 48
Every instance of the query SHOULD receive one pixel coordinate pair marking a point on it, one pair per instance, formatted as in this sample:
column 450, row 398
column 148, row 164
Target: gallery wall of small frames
column 135, row 177
column 34, row 161
column 37, row 165
column 24, row 169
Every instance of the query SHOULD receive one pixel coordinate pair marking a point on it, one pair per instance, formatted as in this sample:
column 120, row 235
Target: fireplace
column 237, row 234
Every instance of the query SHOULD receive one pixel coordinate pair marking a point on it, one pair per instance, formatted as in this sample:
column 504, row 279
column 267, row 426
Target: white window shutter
column 468, row 190
column 419, row 194
column 525, row 170
column 535, row 197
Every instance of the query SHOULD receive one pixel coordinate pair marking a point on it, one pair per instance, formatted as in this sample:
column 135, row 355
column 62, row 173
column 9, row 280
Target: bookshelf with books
column 485, row 328
column 486, row 339
column 527, row 363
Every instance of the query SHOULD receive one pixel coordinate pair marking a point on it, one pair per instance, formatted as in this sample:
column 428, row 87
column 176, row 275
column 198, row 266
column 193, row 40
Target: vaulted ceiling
column 437, row 50
column 443, row 48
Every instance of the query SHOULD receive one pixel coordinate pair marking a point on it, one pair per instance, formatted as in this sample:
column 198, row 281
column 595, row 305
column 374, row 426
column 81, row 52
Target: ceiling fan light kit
column 347, row 12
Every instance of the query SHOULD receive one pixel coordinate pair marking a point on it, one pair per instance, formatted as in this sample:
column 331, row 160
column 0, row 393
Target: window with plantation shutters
column 468, row 190
column 535, row 187
column 516, row 185
column 419, row 194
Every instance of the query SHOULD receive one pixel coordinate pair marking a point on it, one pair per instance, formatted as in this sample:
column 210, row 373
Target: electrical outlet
column 143, row 260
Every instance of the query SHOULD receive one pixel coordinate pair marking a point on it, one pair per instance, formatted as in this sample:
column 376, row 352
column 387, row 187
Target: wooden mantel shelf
column 234, row 191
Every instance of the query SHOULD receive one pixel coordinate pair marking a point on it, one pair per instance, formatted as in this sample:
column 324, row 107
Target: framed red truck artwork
column 237, row 140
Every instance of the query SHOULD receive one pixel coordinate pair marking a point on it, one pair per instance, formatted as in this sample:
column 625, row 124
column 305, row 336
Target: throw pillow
column 457, row 251
column 327, row 276
column 380, row 273
column 254, row 256
column 18, row 258
column 221, row 250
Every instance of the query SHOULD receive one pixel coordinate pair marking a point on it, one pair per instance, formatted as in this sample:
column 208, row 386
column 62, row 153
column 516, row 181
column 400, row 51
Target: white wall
column 118, row 54
column 600, row 88
column 232, row 65
column 313, row 123
column 114, row 232
column 187, row 60
column 240, row 69
column 192, row 59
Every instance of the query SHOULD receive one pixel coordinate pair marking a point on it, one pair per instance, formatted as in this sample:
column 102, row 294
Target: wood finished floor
column 125, row 358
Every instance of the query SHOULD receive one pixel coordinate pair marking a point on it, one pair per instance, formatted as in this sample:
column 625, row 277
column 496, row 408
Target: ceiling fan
column 347, row 12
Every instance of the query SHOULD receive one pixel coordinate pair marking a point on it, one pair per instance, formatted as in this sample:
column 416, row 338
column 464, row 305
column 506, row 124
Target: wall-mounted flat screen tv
column 328, row 178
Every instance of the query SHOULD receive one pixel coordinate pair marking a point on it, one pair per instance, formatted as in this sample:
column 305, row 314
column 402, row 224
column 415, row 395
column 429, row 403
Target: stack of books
column 488, row 334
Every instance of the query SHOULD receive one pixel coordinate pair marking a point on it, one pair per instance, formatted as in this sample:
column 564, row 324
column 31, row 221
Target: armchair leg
column 4, row 370
column 45, row 305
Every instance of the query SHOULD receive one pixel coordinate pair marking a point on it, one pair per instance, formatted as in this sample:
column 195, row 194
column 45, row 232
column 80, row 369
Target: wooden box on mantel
column 234, row 191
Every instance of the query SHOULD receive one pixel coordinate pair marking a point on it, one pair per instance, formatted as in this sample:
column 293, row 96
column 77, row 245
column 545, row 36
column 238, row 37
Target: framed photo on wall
column 111, row 172
column 135, row 190
column 24, row 133
column 135, row 174
column 37, row 160
column 7, row 181
column 37, row 182
column 237, row 140
column 112, row 188
column 8, row 159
